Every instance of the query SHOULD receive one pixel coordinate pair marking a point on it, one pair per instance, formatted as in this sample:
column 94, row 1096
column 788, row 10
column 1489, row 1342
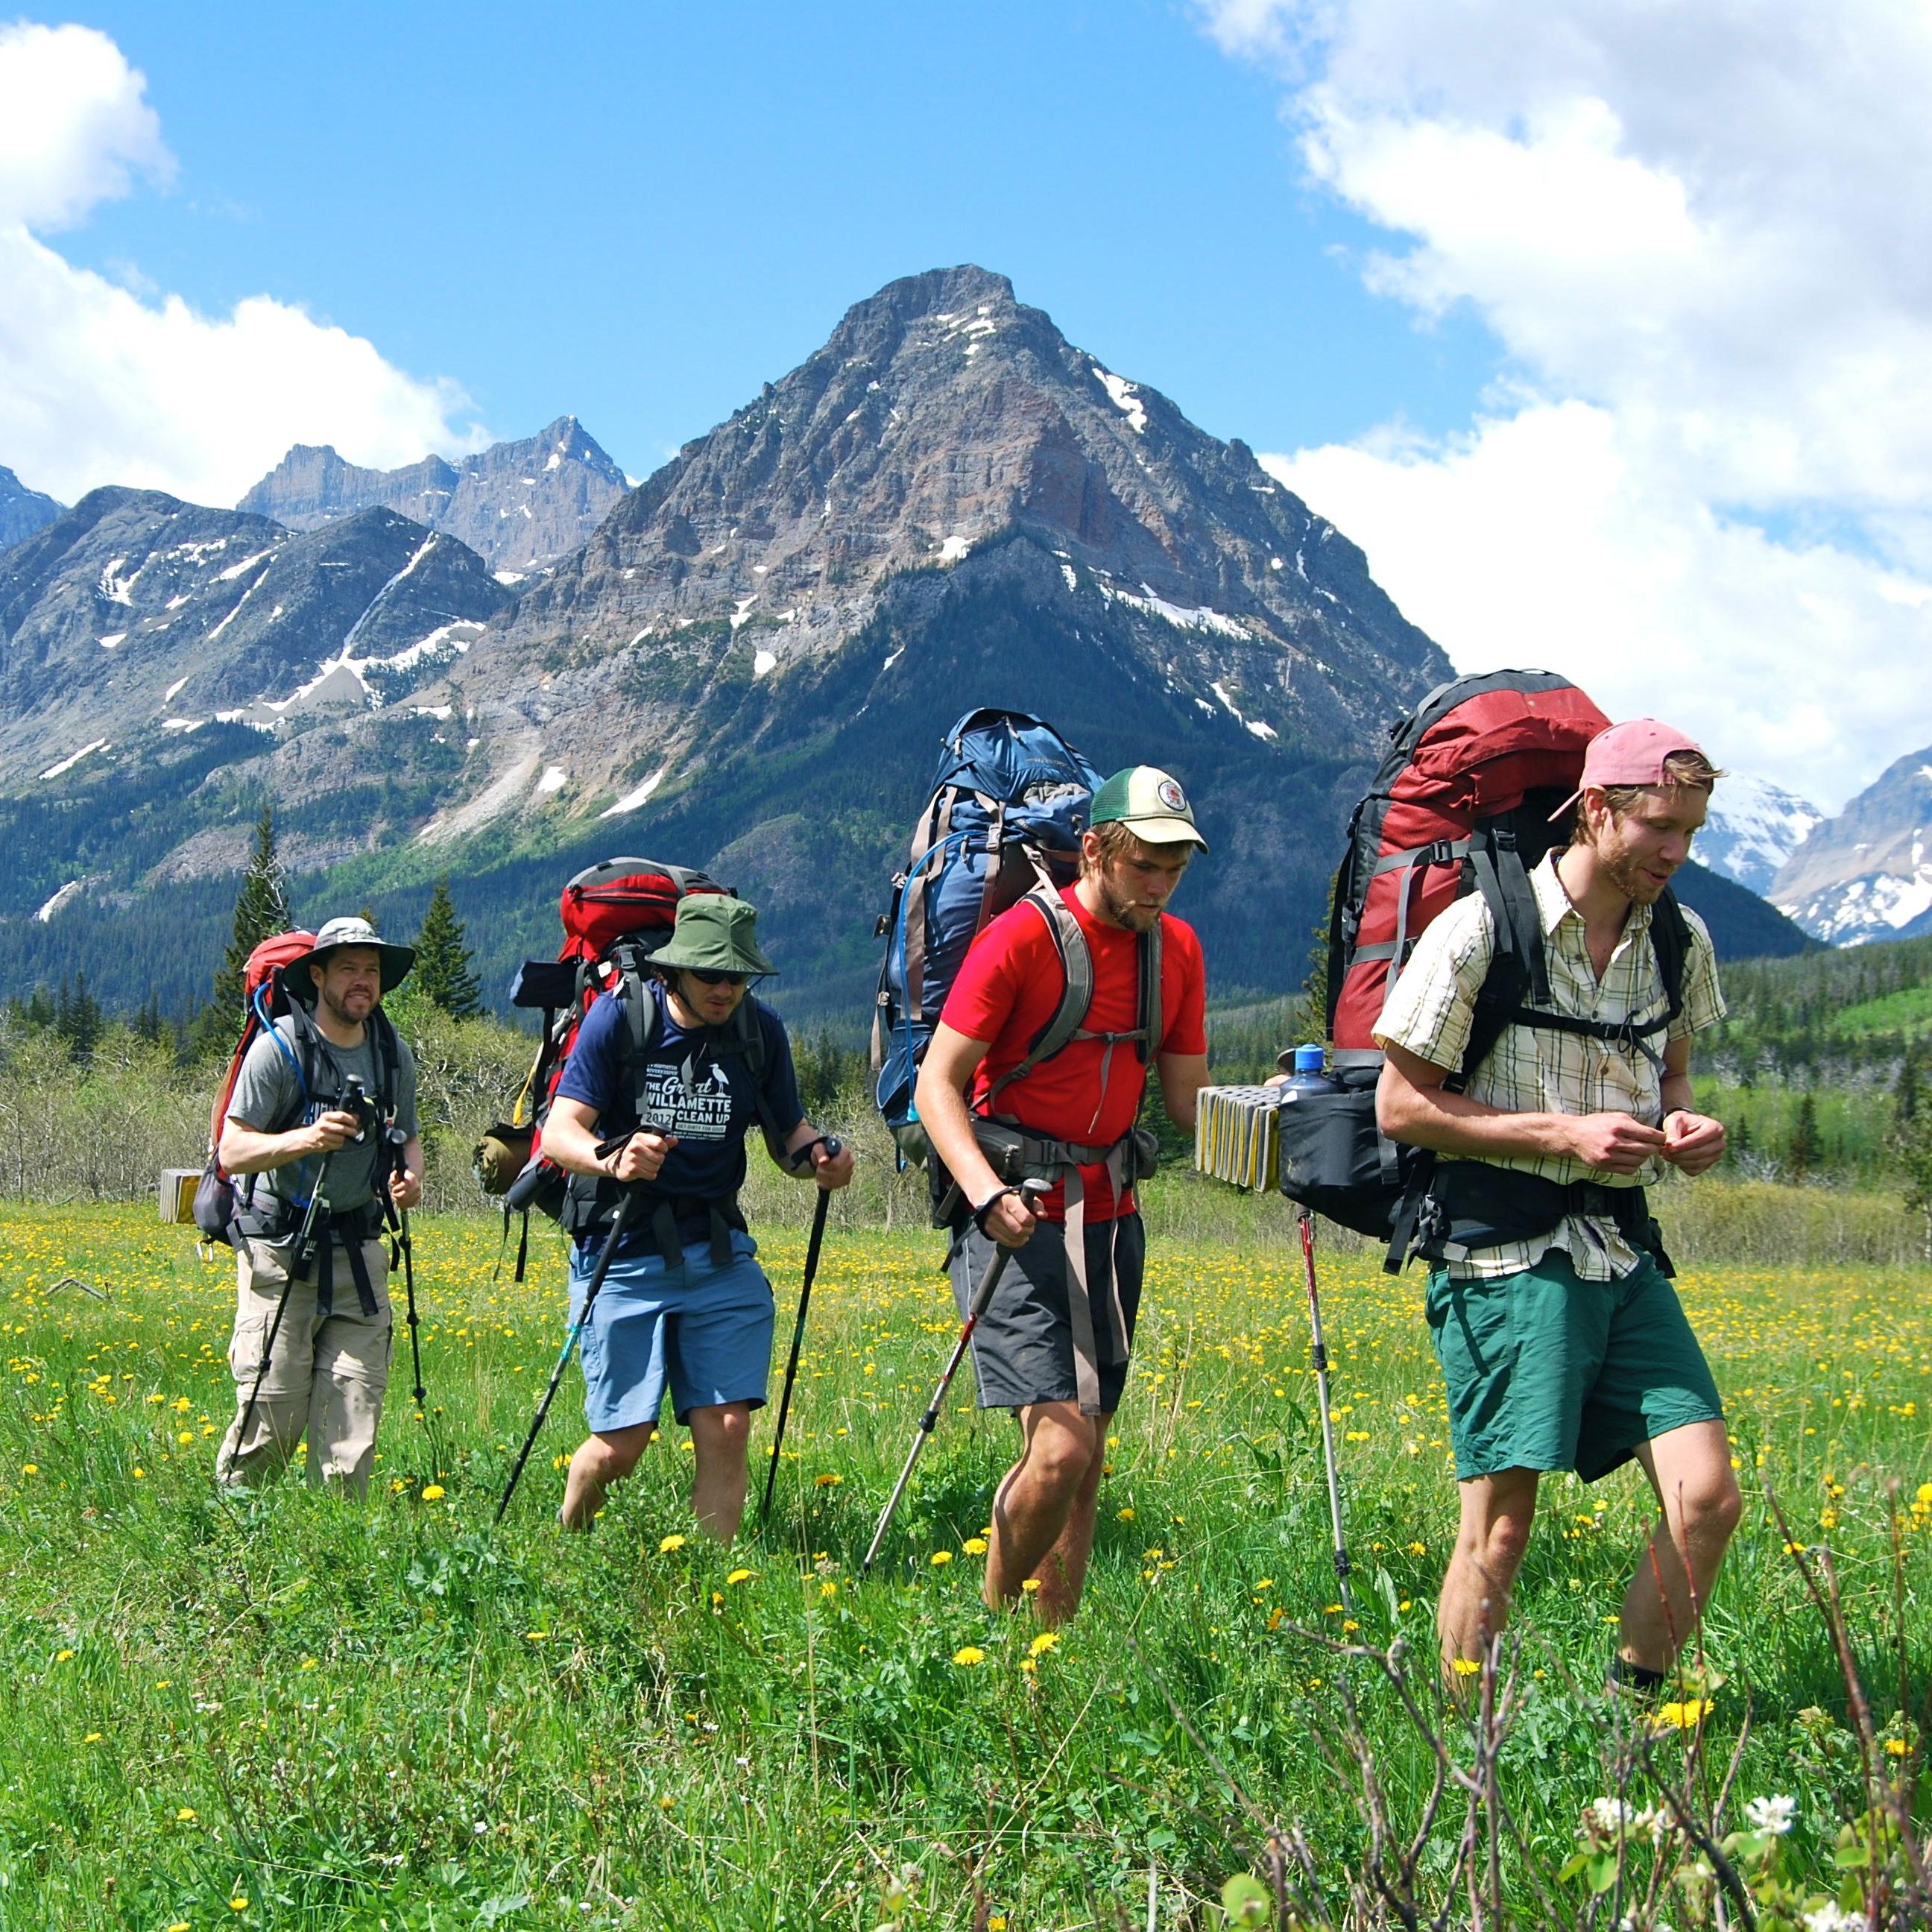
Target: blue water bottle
column 1309, row 1076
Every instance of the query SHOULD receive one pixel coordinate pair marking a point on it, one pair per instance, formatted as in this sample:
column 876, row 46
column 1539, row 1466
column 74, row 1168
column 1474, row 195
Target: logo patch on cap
column 1171, row 795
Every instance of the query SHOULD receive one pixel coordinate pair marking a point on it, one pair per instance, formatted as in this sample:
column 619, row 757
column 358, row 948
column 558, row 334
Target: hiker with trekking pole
column 649, row 1119
column 1538, row 1052
column 320, row 1128
column 1036, row 1072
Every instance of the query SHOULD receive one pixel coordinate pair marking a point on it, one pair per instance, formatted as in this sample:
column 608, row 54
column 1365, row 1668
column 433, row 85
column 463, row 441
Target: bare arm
column 951, row 1060
column 247, row 1150
column 570, row 1139
column 1182, row 1077
column 1412, row 1105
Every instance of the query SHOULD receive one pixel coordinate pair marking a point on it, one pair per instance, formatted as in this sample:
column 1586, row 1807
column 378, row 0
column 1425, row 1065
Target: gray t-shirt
column 268, row 1097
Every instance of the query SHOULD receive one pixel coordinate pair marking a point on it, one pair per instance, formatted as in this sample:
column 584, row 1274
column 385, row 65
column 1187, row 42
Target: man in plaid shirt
column 1568, row 1349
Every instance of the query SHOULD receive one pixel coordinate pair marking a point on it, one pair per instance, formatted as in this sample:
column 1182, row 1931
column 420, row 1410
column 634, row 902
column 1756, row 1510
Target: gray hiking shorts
column 1025, row 1348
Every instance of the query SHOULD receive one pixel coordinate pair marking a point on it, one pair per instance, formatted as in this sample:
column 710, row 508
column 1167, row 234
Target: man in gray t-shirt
column 291, row 1130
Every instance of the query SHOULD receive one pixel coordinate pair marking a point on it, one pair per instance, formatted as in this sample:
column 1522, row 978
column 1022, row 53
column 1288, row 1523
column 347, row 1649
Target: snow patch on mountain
column 1753, row 827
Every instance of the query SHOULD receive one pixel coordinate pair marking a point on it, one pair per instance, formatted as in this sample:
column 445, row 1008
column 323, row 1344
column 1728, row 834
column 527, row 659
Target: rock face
column 23, row 511
column 519, row 505
column 136, row 618
column 1867, row 874
column 1754, row 827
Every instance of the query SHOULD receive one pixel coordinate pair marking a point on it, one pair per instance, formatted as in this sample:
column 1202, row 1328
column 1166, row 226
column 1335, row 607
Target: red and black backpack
column 1461, row 803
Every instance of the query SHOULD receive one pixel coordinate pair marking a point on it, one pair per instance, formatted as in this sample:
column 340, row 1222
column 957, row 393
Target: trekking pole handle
column 1029, row 1191
column 799, row 1158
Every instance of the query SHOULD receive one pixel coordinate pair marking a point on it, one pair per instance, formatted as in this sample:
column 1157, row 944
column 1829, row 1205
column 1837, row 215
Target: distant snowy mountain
column 23, row 511
column 1867, row 874
column 1754, row 827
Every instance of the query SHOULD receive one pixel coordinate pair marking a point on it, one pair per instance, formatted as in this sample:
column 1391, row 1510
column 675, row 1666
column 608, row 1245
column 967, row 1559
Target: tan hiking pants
column 325, row 1377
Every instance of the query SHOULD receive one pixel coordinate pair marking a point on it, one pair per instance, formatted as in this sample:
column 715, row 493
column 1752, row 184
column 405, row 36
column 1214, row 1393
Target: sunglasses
column 705, row 976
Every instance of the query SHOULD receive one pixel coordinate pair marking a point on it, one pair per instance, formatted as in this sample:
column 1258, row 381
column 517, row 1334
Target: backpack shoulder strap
column 1517, row 968
column 1076, row 989
column 1670, row 941
column 1152, row 1005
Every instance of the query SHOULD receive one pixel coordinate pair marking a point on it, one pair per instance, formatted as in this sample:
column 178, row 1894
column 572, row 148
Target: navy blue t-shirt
column 692, row 1089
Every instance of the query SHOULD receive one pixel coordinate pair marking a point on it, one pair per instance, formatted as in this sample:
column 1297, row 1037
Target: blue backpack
column 1008, row 803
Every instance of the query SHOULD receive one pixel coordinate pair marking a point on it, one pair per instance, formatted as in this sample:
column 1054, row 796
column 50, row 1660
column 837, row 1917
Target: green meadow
column 292, row 1710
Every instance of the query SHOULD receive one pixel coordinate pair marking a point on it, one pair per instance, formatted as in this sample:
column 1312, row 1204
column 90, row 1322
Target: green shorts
column 1545, row 1371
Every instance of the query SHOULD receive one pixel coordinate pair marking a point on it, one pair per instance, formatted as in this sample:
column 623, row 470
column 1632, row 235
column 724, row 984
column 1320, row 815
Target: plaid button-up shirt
column 1539, row 1069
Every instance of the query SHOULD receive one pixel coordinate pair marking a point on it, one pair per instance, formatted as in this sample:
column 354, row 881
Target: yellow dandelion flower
column 666, row 1544
column 536, row 1635
column 1124, row 1516
column 1030, row 1585
column 138, row 1474
column 30, row 1468
column 1046, row 1640
column 432, row 1492
column 828, row 1480
column 92, row 1738
column 184, row 1815
column 61, row 1656
column 308, row 1663
column 239, row 1903
column 739, row 1577
column 828, row 1588
column 1682, row 1717
column 969, row 1654
column 1895, row 1747
column 940, row 1557
column 1464, row 1666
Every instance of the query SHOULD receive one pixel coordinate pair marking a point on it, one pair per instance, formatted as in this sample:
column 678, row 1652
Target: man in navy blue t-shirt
column 685, row 1303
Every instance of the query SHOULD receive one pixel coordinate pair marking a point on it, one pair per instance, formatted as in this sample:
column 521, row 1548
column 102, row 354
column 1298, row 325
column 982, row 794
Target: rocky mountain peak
column 1866, row 874
column 520, row 504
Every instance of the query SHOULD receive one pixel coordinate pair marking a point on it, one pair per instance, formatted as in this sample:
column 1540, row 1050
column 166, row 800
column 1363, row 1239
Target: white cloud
column 1702, row 235
column 99, row 385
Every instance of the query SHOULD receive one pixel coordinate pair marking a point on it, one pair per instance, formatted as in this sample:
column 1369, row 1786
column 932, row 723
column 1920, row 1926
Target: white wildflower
column 1770, row 1814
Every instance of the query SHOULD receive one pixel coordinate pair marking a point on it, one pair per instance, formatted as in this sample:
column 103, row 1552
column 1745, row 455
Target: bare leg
column 1689, row 1469
column 1043, row 1510
column 1497, row 1512
column 719, row 1434
column 600, row 1460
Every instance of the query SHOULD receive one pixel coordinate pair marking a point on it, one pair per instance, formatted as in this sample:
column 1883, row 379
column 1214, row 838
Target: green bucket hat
column 1149, row 803
column 715, row 933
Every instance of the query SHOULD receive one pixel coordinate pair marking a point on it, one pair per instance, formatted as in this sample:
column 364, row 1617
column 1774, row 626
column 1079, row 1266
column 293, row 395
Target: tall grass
column 295, row 1712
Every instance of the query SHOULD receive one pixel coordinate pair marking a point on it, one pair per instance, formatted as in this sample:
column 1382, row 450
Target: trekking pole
column 1319, row 1354
column 300, row 1252
column 833, row 1147
column 982, row 1300
column 619, row 1222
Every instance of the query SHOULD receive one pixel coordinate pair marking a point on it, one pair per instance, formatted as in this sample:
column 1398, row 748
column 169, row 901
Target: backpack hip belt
column 589, row 1207
column 1016, row 1155
column 1474, row 1204
column 350, row 1228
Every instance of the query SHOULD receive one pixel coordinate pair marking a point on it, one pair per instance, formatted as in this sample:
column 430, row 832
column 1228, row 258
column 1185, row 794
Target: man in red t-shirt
column 1054, row 1345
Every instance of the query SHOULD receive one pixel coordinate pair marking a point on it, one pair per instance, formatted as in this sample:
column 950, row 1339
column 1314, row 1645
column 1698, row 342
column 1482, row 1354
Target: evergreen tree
column 443, row 974
column 78, row 1020
column 1912, row 1138
column 261, row 911
column 40, row 1009
column 1802, row 1150
column 1738, row 1137
column 148, row 1022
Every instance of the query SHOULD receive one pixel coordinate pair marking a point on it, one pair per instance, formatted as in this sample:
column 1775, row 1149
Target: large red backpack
column 1461, row 803
column 264, row 999
column 613, row 914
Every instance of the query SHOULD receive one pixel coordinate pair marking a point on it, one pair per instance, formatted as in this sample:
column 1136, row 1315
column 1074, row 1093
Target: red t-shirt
column 1007, row 991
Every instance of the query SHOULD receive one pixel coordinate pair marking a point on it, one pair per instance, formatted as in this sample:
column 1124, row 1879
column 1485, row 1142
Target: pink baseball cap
column 1631, row 754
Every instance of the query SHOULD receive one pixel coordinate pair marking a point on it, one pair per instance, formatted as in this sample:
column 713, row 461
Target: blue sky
column 1602, row 329
column 640, row 214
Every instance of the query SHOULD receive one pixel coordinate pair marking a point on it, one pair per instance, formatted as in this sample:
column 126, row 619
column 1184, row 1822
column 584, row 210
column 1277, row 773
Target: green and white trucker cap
column 1149, row 803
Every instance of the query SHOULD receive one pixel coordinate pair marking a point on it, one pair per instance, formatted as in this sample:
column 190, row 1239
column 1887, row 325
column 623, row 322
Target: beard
column 1123, row 910
column 1630, row 878
column 340, row 1013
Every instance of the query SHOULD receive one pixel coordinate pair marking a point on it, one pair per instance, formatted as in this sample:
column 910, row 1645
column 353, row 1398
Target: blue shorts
column 705, row 1330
